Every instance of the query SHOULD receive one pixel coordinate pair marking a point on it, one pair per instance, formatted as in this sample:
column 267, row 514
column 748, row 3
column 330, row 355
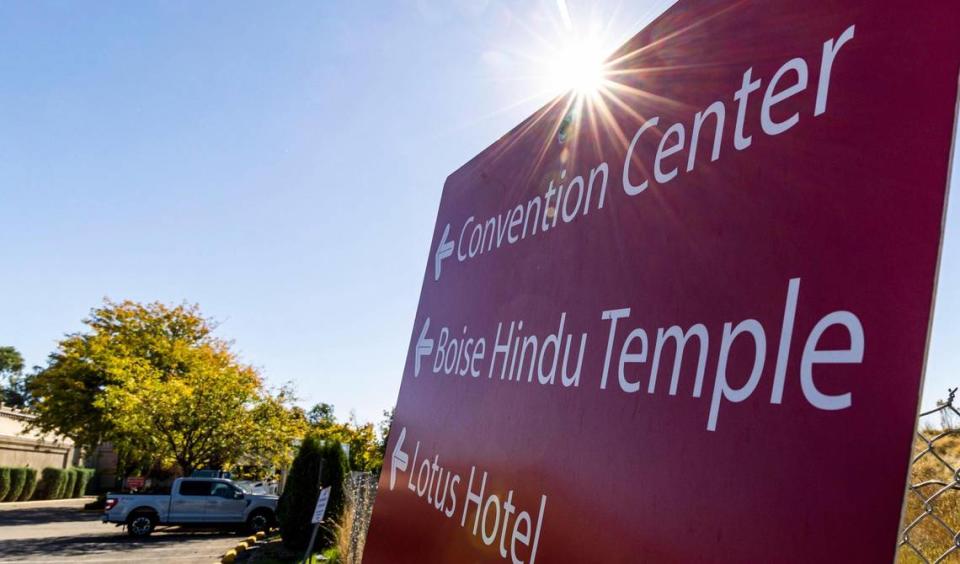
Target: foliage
column 4, row 482
column 335, row 473
column 52, row 483
column 317, row 465
column 300, row 494
column 71, row 483
column 18, row 478
column 84, row 475
column 13, row 387
column 154, row 381
column 366, row 453
column 29, row 485
column 62, row 484
column 332, row 556
column 321, row 415
column 10, row 360
column 277, row 423
column 384, row 428
column 342, row 548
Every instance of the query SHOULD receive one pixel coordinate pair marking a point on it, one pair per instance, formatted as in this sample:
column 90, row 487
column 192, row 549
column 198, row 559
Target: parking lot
column 61, row 531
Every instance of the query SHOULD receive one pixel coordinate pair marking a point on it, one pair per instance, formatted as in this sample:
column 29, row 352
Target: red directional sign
column 685, row 319
column 135, row 482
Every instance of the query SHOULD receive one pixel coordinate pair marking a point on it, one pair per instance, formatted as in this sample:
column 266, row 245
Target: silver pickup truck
column 206, row 502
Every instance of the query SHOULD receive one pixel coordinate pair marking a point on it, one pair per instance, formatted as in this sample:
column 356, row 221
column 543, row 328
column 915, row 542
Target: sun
column 578, row 66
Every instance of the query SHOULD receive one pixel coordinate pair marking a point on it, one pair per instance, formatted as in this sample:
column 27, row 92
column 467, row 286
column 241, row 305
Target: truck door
column 189, row 503
column 227, row 503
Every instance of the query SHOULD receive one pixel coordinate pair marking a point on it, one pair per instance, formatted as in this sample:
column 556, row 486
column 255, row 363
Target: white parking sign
column 321, row 507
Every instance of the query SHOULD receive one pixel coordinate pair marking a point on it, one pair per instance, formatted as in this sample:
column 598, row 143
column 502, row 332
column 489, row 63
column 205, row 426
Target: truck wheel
column 259, row 521
column 140, row 525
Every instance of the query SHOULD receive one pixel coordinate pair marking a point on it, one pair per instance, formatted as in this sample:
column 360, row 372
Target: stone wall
column 20, row 447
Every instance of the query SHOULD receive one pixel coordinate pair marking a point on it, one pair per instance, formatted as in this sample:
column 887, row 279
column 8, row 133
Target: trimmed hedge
column 18, row 479
column 4, row 482
column 29, row 485
column 53, row 482
column 21, row 484
column 84, row 476
column 17, row 483
column 71, row 483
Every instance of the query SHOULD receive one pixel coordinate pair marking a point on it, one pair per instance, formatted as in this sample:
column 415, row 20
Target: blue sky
column 278, row 163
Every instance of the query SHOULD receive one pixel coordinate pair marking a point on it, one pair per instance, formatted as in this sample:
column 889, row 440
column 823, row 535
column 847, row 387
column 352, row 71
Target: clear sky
column 279, row 163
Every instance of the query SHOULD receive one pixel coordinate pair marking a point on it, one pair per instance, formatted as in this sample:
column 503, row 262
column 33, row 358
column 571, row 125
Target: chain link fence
column 930, row 531
column 361, row 494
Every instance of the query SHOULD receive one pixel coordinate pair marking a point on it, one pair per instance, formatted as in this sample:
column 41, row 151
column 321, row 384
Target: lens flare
column 578, row 66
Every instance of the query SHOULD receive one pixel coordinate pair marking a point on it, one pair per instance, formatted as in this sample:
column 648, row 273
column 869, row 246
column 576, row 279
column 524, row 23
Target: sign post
column 685, row 318
column 318, row 512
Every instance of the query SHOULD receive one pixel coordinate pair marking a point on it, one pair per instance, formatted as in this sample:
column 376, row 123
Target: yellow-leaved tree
column 153, row 380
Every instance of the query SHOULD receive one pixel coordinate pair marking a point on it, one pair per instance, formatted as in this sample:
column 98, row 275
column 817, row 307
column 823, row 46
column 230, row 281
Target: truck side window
column 194, row 487
column 225, row 491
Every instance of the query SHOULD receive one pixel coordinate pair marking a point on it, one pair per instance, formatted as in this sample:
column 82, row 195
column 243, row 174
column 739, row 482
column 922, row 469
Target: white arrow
column 399, row 457
column 424, row 348
column 444, row 250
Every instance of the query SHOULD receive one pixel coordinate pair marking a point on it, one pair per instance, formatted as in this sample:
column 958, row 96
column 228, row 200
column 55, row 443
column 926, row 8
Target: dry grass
column 933, row 485
column 340, row 552
column 344, row 530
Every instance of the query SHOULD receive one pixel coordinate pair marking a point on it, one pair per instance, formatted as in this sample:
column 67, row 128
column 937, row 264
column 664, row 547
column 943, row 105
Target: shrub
column 98, row 504
column 84, row 476
column 70, row 483
column 336, row 471
column 300, row 495
column 4, row 482
column 18, row 478
column 29, row 484
column 332, row 556
column 295, row 507
column 52, row 483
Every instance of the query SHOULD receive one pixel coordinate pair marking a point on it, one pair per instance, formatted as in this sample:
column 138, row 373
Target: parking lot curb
column 78, row 501
column 231, row 555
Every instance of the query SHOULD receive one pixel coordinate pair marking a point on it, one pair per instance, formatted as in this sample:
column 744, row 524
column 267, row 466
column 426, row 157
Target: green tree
column 366, row 454
column 278, row 423
column 300, row 494
column 154, row 381
column 321, row 416
column 384, row 428
column 13, row 386
column 319, row 463
column 334, row 473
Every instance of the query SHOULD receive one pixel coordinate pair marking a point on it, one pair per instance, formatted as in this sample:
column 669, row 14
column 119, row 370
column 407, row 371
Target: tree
column 11, row 362
column 319, row 463
column 384, row 428
column 154, row 381
column 321, row 415
column 13, row 388
column 277, row 422
column 361, row 438
column 300, row 494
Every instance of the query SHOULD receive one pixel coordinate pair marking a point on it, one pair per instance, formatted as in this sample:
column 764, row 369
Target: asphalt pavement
column 60, row 531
